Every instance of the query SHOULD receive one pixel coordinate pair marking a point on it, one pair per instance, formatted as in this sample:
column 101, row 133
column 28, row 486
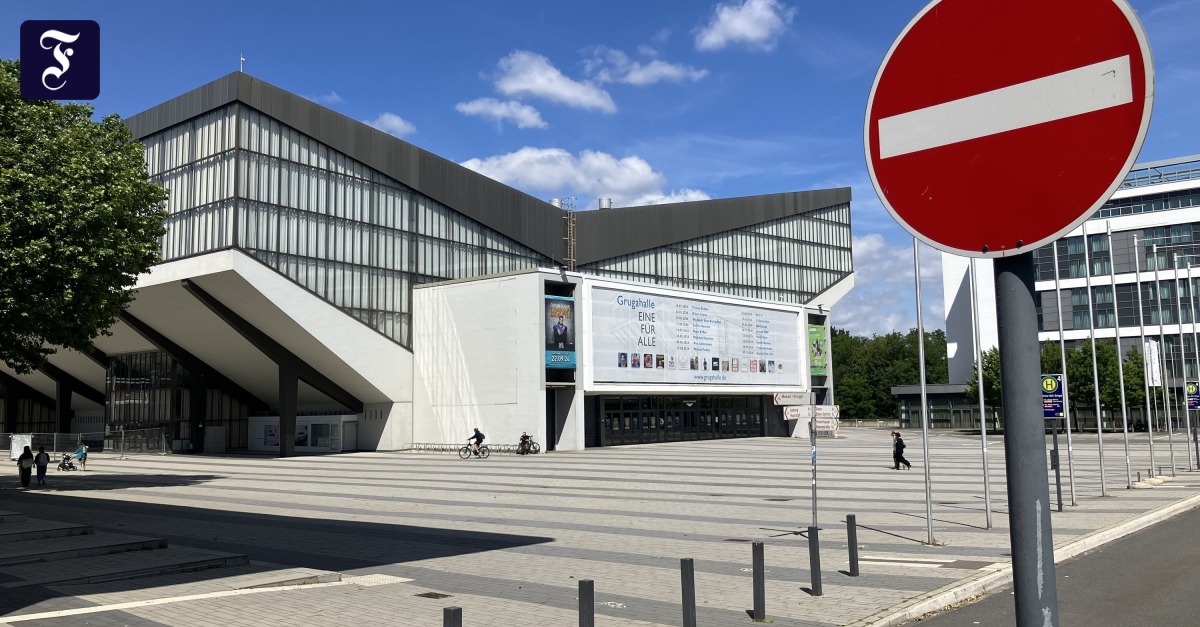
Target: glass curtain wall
column 345, row 232
column 789, row 260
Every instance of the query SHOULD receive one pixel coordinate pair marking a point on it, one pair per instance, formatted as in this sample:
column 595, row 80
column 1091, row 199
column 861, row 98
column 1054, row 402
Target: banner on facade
column 640, row 337
column 818, row 351
column 560, row 332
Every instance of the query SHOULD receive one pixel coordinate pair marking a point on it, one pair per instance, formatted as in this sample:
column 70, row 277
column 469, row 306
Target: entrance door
column 690, row 430
column 551, row 420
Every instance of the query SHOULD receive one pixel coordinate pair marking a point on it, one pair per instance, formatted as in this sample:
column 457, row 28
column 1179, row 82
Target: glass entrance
column 646, row 419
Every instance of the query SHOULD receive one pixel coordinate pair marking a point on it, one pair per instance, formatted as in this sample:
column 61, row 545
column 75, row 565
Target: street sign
column 996, row 127
column 1052, row 396
column 793, row 398
column 1193, row 395
column 805, row 412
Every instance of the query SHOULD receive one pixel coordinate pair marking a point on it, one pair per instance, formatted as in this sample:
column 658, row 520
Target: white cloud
column 330, row 98
column 525, row 73
column 392, row 124
column 608, row 65
column 629, row 181
column 522, row 115
column 756, row 24
column 884, row 297
column 661, row 36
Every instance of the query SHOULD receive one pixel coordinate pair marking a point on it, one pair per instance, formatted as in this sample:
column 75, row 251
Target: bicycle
column 529, row 448
column 466, row 451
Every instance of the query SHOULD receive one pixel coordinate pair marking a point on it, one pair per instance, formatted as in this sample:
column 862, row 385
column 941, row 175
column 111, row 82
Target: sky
column 638, row 101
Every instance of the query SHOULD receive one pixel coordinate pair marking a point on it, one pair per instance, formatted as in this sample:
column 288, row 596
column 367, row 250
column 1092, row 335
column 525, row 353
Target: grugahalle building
column 323, row 278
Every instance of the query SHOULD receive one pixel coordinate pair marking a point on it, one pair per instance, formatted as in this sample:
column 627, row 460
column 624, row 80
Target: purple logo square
column 60, row 60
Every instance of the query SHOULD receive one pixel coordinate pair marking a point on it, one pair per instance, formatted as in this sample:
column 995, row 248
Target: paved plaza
column 508, row 538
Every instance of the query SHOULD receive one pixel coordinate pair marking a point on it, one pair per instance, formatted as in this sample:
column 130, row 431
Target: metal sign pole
column 812, row 438
column 987, row 484
column 1137, row 277
column 924, row 400
column 1087, row 273
column 1062, row 353
column 1034, row 582
column 1162, row 356
column 1112, row 273
column 1196, row 352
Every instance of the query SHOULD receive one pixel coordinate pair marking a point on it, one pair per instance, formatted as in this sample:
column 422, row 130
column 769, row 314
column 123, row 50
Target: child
column 42, row 460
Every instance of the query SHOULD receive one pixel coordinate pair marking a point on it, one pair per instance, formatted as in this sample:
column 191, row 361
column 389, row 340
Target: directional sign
column 996, row 127
column 1193, row 395
column 1052, row 396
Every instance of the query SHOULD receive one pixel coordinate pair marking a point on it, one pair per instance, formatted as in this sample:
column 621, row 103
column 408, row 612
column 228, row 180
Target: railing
column 135, row 442
column 453, row 448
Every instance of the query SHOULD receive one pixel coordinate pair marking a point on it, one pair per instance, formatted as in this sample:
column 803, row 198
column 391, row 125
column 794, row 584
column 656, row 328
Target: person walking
column 25, row 466
column 81, row 456
column 898, row 452
column 41, row 461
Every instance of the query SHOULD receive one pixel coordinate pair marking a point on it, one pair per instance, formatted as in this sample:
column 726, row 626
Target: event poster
column 560, row 332
column 650, row 338
column 818, row 350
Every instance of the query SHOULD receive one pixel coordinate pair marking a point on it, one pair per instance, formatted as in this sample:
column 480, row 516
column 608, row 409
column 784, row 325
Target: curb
column 986, row 582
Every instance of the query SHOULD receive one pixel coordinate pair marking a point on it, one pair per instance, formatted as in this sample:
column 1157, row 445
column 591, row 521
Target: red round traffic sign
column 996, row 127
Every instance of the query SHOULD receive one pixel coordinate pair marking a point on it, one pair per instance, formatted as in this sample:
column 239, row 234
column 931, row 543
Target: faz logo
column 60, row 60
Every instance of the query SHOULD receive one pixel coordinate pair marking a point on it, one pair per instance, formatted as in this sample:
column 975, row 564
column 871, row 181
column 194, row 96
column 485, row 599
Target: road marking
column 151, row 602
column 1058, row 96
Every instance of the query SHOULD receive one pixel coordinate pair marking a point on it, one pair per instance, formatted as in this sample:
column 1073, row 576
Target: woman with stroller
column 81, row 456
column 25, row 466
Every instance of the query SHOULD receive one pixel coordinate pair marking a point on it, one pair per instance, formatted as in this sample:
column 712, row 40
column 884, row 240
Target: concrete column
column 289, row 387
column 62, row 401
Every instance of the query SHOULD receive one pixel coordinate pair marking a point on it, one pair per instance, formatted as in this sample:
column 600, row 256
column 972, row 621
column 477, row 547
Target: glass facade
column 354, row 237
column 791, row 259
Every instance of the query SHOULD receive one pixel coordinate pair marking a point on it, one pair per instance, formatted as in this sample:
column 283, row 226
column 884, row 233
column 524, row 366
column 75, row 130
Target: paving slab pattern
column 509, row 537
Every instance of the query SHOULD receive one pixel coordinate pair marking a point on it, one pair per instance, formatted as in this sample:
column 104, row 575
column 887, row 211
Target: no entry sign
column 996, row 127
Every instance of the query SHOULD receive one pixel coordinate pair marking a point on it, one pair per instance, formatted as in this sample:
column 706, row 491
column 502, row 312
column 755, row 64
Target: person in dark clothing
column 477, row 437
column 898, row 452
column 41, row 461
column 25, row 466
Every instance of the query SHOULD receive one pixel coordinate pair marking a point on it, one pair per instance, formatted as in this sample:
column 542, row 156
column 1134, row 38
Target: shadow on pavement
column 289, row 541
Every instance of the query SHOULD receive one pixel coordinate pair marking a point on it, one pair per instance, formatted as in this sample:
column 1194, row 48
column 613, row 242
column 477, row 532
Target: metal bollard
column 852, row 542
column 687, row 575
column 452, row 617
column 814, row 560
column 760, row 583
column 587, row 603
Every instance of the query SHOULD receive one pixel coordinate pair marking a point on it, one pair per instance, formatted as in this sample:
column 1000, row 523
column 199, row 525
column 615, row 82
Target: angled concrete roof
column 515, row 214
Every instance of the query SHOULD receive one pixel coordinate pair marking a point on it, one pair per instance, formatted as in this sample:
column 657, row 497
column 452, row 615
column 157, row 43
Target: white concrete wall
column 479, row 360
column 956, row 292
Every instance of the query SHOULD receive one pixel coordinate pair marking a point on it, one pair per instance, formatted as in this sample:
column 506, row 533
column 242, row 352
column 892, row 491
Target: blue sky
column 639, row 101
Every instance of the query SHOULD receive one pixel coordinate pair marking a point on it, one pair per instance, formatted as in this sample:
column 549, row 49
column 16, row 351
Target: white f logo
column 60, row 55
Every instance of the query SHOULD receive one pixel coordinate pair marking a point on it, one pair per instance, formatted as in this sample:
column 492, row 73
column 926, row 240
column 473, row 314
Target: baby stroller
column 67, row 463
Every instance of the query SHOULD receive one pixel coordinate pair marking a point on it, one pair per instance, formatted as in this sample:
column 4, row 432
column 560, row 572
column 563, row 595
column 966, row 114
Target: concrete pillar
column 62, row 401
column 289, row 388
column 197, row 410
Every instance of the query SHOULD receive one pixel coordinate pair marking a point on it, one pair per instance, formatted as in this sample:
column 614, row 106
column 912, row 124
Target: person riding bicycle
column 477, row 438
column 524, row 444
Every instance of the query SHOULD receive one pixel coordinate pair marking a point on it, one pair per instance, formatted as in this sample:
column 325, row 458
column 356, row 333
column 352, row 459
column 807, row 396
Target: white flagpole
column 1162, row 356
column 987, row 484
column 1087, row 273
column 1145, row 350
column 1187, row 416
column 1062, row 352
column 924, row 402
column 1112, row 274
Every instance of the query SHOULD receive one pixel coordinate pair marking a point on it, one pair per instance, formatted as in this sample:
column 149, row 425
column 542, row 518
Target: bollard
column 587, row 603
column 760, row 584
column 452, row 617
column 814, row 560
column 852, row 542
column 687, row 576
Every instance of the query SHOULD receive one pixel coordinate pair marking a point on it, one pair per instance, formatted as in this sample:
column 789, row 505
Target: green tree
column 866, row 369
column 1135, row 377
column 79, row 221
column 991, row 379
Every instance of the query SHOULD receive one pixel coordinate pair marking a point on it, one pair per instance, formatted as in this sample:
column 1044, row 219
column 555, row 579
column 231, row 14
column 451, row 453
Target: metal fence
column 453, row 448
column 136, row 442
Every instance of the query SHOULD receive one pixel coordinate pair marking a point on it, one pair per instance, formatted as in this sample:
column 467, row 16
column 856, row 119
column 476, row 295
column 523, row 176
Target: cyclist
column 523, row 446
column 477, row 438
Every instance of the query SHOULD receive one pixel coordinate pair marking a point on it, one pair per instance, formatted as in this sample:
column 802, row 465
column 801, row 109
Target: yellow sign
column 1050, row 384
column 1192, row 388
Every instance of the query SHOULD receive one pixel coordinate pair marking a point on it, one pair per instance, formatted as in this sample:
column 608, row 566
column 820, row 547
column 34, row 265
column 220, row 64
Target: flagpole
column 1112, row 274
column 1187, row 415
column 987, row 487
column 1087, row 274
column 1162, row 356
column 1137, row 276
column 924, row 401
column 1062, row 353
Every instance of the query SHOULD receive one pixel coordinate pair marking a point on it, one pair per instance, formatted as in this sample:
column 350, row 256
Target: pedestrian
column 25, row 466
column 42, row 461
column 81, row 456
column 898, row 452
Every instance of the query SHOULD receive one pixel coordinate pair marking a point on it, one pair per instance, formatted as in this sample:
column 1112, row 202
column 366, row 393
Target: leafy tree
column 79, row 221
column 866, row 369
column 991, row 379
column 1135, row 376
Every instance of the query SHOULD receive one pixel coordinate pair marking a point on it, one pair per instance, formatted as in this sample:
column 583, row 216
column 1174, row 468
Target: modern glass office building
column 264, row 180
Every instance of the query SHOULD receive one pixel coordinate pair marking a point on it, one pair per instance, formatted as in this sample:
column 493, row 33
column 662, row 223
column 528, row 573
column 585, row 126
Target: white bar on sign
column 1058, row 96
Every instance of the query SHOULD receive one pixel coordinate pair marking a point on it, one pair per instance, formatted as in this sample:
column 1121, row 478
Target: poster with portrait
column 560, row 332
column 818, row 350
